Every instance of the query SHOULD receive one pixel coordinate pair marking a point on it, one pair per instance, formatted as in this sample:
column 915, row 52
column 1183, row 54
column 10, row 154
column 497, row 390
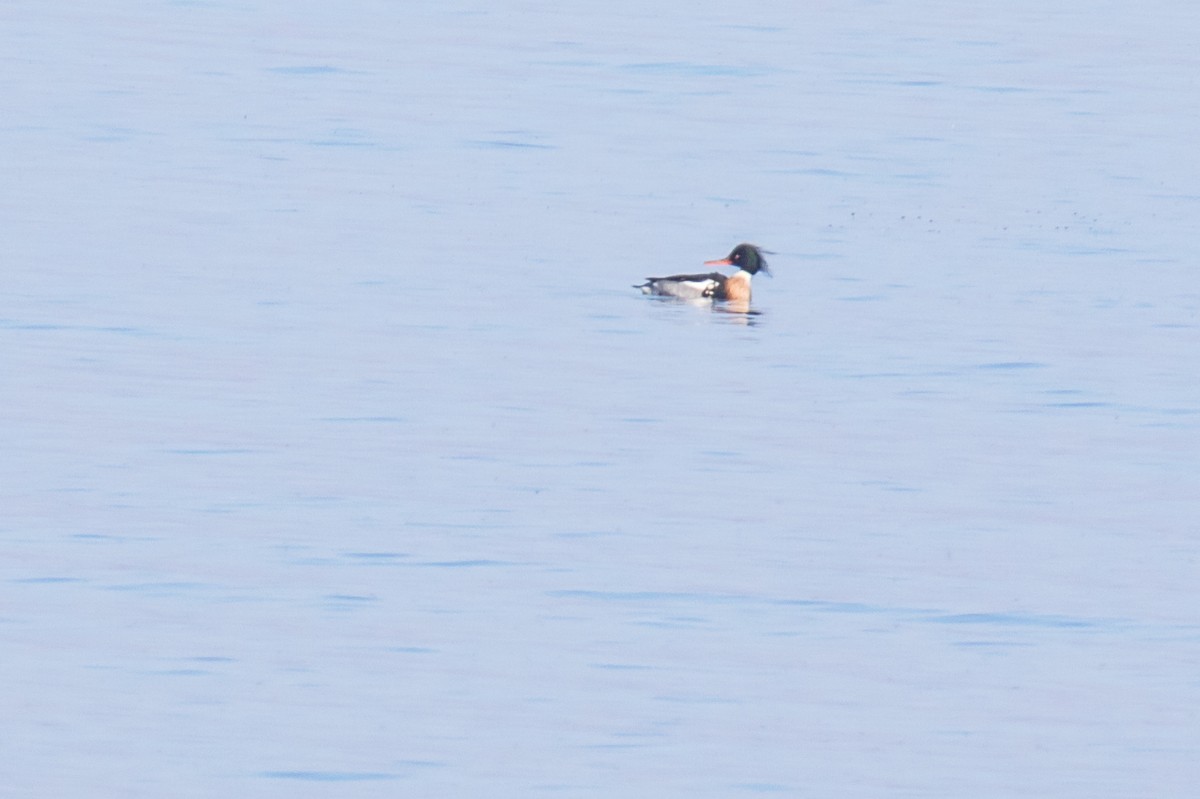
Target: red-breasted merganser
column 747, row 257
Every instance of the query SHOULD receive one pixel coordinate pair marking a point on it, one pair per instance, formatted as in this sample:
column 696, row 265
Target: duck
column 748, row 258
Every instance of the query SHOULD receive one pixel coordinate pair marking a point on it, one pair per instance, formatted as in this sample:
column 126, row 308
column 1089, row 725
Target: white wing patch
column 684, row 289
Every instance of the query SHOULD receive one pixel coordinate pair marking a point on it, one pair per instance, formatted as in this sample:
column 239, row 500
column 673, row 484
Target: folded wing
column 687, row 287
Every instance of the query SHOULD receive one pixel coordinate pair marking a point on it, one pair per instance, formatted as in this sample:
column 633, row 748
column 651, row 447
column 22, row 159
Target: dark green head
column 745, row 256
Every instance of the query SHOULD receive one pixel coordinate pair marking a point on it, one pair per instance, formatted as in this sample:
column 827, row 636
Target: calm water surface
column 341, row 460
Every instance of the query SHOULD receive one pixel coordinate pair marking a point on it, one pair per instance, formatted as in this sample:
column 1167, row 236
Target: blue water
column 341, row 458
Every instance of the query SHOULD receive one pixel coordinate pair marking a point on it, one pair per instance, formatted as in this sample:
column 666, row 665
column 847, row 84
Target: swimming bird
column 746, row 257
